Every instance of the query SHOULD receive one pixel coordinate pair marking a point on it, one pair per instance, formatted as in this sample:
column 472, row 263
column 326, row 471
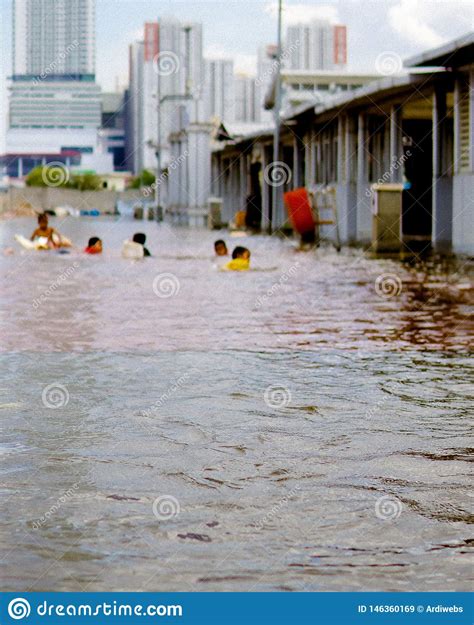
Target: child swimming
column 240, row 260
column 220, row 248
column 140, row 238
column 94, row 246
column 51, row 236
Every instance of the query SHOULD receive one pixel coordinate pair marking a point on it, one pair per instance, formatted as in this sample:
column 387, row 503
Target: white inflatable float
column 41, row 243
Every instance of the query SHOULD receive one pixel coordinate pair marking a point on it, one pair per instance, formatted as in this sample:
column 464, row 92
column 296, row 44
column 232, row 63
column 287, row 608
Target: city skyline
column 398, row 21
column 397, row 26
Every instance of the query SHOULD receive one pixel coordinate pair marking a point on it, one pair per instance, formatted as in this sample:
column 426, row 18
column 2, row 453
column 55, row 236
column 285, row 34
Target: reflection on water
column 306, row 426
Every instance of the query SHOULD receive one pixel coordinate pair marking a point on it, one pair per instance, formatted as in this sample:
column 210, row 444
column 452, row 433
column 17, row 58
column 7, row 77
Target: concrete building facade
column 317, row 45
column 416, row 130
column 54, row 102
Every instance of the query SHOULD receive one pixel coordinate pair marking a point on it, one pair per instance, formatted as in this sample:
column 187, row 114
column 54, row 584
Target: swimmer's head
column 220, row 248
column 139, row 237
column 241, row 252
column 95, row 244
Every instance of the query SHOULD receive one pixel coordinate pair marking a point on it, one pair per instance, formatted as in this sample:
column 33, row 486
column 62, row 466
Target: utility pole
column 159, row 212
column 276, row 191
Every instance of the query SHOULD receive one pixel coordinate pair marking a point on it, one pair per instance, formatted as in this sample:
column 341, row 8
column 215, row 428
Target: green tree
column 47, row 176
column 86, row 182
column 144, row 179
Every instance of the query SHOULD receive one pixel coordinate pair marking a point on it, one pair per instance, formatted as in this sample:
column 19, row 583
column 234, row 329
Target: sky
column 235, row 29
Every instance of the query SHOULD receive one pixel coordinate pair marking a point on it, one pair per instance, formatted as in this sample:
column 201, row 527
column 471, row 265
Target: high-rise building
column 112, row 132
column 245, row 99
column 54, row 103
column 316, row 45
column 134, row 106
column 219, row 89
column 54, row 38
column 167, row 64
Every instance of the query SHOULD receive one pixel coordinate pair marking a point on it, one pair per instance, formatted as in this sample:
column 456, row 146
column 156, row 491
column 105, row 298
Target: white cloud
column 303, row 13
column 411, row 20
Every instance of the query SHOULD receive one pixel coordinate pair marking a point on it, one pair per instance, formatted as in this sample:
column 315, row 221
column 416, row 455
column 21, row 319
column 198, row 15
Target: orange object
column 299, row 210
column 240, row 219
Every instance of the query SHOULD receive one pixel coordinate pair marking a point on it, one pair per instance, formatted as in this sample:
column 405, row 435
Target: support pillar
column 364, row 215
column 266, row 190
column 442, row 174
column 396, row 147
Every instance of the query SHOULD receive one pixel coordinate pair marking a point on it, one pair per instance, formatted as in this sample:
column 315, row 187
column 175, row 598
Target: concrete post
column 349, row 232
column 243, row 179
column 308, row 159
column 297, row 181
column 442, row 178
column 396, row 147
column 265, row 192
column 364, row 215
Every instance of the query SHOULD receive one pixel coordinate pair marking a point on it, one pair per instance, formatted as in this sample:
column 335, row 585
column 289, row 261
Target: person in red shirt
column 94, row 246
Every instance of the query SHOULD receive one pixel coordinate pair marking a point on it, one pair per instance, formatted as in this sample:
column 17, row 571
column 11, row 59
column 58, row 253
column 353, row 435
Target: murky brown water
column 307, row 422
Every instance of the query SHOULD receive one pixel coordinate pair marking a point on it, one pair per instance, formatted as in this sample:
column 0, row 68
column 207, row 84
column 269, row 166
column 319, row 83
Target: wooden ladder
column 324, row 204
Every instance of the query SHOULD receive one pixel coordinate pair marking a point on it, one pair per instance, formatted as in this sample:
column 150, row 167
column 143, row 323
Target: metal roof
column 456, row 53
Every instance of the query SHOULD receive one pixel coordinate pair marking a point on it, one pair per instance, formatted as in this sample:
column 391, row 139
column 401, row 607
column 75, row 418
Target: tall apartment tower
column 317, row 45
column 54, row 102
column 219, row 89
column 54, row 36
column 245, row 99
column 168, row 62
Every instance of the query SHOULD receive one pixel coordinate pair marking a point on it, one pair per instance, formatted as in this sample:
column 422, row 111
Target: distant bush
column 60, row 177
column 144, row 179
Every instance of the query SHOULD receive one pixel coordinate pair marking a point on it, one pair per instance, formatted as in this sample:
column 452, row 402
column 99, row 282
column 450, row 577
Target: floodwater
column 166, row 426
